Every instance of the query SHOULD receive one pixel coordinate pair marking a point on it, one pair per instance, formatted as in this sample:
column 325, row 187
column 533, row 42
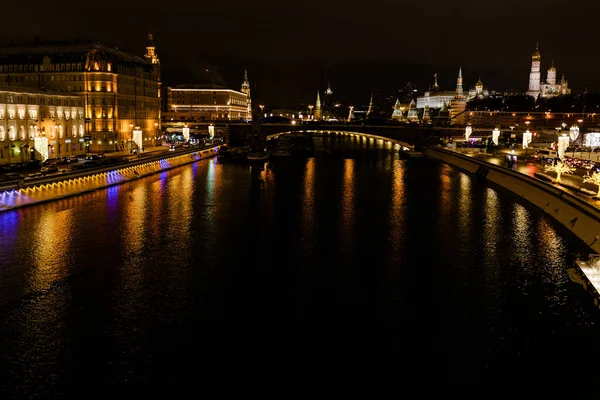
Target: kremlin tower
column 370, row 110
column 317, row 116
column 459, row 103
column 246, row 90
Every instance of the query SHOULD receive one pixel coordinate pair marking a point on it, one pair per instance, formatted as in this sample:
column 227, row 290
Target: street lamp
column 310, row 108
column 131, row 137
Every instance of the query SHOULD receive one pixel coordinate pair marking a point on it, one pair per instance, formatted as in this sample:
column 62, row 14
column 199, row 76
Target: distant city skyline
column 358, row 49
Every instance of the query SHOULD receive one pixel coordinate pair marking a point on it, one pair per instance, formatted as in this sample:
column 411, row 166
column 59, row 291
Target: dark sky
column 376, row 45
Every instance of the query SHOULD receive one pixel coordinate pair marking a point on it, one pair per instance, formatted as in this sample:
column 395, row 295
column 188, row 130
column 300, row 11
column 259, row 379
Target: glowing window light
column 2, row 134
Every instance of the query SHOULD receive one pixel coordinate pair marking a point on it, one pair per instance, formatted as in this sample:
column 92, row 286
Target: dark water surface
column 352, row 262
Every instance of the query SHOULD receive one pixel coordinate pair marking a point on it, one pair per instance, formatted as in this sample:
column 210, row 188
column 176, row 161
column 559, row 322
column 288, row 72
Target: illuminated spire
column 150, row 49
column 329, row 92
column 536, row 56
column 435, row 83
column 317, row 114
column 370, row 110
column 246, row 90
column 459, row 83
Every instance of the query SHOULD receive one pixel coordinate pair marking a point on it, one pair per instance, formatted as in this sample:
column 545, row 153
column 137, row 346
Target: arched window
column 74, row 131
column 60, row 131
column 11, row 133
column 22, row 135
column 32, row 131
column 80, row 130
column 2, row 134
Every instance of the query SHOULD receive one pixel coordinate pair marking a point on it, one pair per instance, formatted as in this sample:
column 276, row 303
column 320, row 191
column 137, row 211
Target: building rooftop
column 75, row 51
column 201, row 86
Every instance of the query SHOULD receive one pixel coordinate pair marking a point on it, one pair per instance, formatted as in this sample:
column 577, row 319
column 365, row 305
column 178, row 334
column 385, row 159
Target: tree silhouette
column 560, row 168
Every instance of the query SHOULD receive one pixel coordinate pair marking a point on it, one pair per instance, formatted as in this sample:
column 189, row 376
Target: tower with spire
column 151, row 55
column 398, row 113
column 547, row 89
column 551, row 76
column 246, row 90
column 459, row 103
column 459, row 84
column 534, row 75
column 370, row 109
column 317, row 116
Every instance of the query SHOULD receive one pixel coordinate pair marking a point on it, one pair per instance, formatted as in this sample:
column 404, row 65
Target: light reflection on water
column 343, row 259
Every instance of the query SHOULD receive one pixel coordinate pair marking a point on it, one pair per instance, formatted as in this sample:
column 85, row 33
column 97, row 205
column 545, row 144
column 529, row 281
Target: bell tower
column 535, row 74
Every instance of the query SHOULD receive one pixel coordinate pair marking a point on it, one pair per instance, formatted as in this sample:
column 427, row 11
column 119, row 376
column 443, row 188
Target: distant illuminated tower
column 246, row 90
column 329, row 92
column 370, row 109
column 412, row 115
column 151, row 50
column 479, row 88
column 534, row 75
column 327, row 102
column 318, row 115
column 351, row 114
column 426, row 116
column 435, row 82
column 459, row 84
column 398, row 111
column 152, row 57
column 551, row 77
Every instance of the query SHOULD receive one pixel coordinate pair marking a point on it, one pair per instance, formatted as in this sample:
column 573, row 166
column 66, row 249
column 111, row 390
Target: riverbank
column 61, row 186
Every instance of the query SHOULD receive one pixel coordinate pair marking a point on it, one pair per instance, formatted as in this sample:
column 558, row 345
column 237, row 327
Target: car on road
column 11, row 177
column 49, row 169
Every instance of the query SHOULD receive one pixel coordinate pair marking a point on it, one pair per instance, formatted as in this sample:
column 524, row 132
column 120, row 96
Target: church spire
column 370, row 110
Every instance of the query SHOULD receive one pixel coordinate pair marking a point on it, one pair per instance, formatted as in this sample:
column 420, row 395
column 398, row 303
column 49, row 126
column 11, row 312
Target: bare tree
column 560, row 168
column 595, row 179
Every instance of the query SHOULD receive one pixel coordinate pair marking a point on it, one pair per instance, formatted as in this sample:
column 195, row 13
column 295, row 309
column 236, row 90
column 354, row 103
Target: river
column 349, row 262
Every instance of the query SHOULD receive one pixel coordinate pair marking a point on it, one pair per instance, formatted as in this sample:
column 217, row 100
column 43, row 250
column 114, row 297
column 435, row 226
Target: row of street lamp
column 563, row 139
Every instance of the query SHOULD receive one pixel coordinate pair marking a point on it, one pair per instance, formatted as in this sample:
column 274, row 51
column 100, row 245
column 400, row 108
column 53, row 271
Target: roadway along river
column 350, row 263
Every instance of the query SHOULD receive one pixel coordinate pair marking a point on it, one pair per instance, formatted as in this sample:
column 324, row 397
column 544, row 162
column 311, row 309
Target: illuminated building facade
column 209, row 102
column 547, row 89
column 121, row 91
column 36, row 125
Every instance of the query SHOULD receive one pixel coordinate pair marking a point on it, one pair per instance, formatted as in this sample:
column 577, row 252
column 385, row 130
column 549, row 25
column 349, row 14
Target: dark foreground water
column 352, row 263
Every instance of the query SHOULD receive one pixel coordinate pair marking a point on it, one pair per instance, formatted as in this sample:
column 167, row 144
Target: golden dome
column 552, row 69
column 479, row 83
column 536, row 56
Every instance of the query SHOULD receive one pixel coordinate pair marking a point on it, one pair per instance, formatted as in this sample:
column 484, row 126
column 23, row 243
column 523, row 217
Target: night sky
column 371, row 46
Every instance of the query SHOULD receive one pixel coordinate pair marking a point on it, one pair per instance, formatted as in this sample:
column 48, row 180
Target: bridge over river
column 414, row 136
